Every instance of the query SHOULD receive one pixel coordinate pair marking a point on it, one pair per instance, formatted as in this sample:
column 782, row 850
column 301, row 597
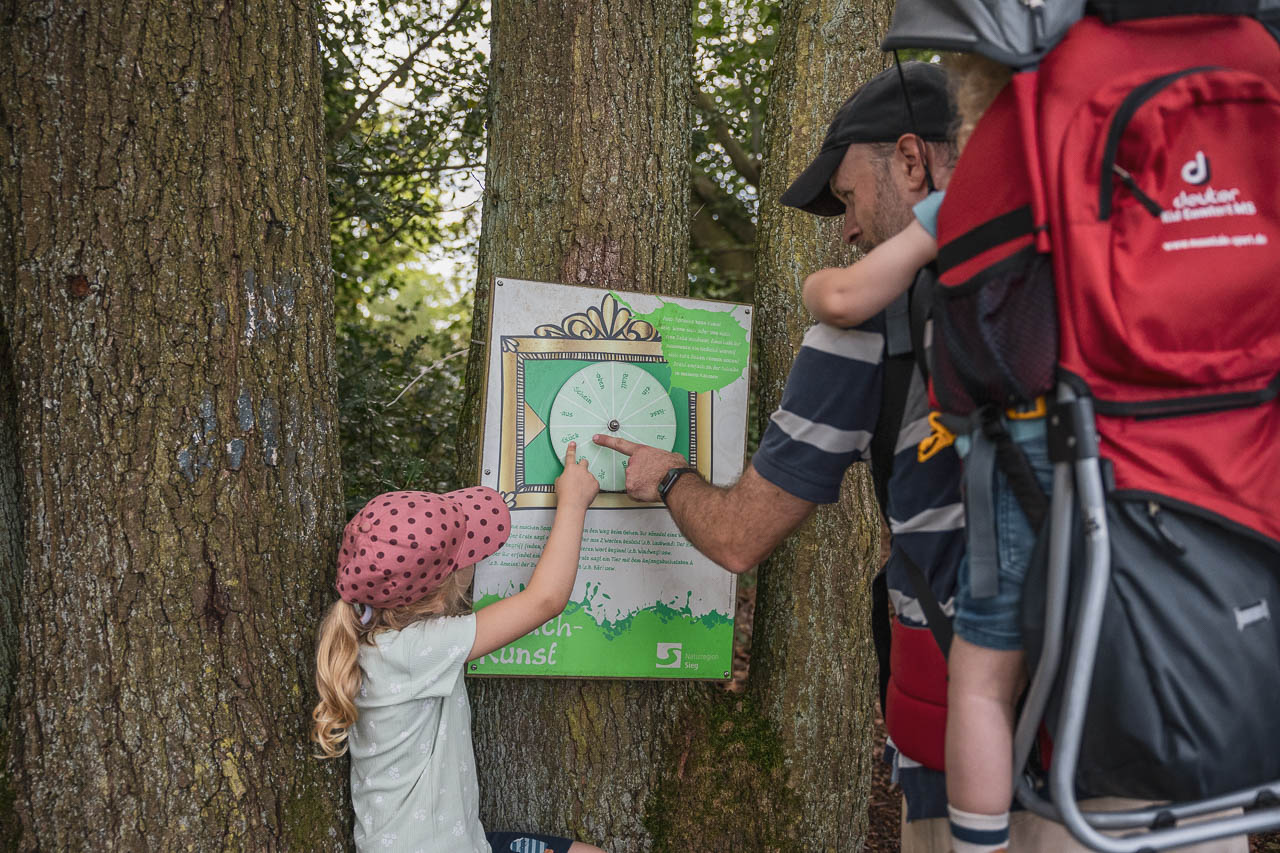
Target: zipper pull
column 1157, row 519
column 1147, row 201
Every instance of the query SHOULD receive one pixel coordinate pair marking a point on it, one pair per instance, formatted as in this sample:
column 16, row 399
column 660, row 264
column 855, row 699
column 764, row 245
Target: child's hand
column 576, row 486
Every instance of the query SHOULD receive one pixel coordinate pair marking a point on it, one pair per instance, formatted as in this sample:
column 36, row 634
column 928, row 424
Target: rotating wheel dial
column 614, row 398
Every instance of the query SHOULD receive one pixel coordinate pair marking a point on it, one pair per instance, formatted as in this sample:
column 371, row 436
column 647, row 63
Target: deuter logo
column 668, row 656
column 1196, row 170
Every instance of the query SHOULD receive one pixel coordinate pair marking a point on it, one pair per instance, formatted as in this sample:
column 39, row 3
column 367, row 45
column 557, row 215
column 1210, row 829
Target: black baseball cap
column 876, row 113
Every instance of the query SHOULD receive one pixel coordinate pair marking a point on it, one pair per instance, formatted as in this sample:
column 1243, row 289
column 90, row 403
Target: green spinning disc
column 613, row 398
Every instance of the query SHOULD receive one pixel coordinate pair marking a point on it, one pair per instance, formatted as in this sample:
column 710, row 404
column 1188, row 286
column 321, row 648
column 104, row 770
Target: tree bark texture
column 801, row 739
column 586, row 183
column 813, row 602
column 170, row 490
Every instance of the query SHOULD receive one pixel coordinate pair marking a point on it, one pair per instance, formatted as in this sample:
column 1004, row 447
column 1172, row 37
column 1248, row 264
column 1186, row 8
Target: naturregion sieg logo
column 669, row 656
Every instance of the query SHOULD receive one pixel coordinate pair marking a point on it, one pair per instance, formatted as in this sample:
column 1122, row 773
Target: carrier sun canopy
column 1012, row 32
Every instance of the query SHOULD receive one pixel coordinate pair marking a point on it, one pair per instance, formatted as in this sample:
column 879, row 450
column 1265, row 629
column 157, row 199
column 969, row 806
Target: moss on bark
column 727, row 788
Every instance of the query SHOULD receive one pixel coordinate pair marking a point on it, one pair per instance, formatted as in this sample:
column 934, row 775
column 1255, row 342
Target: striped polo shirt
column 825, row 423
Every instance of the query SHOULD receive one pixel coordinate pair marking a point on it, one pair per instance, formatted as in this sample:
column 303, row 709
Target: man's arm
column 736, row 527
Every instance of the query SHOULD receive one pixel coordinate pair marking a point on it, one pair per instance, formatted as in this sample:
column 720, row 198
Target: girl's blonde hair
column 975, row 82
column 338, row 648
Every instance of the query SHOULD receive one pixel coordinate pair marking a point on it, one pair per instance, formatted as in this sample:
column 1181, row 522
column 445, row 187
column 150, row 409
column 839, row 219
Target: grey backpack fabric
column 1013, row 32
column 1186, row 689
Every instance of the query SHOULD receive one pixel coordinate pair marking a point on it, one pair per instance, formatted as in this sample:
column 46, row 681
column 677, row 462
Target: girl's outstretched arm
column 849, row 296
column 547, row 592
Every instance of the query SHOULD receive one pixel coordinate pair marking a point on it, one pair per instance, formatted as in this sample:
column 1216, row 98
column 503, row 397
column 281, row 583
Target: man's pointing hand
column 646, row 467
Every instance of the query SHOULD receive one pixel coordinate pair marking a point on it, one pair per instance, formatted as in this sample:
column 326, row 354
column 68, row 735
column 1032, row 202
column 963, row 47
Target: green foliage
column 405, row 100
column 398, row 433
column 404, row 88
column 734, row 45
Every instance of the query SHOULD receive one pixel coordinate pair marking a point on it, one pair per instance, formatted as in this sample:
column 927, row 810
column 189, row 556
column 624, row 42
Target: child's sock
column 978, row 833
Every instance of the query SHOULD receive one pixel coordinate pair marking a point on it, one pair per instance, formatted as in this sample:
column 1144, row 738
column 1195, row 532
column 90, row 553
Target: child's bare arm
column 548, row 590
column 849, row 296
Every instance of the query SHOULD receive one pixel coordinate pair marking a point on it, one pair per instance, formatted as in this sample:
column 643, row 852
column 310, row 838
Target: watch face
column 613, row 398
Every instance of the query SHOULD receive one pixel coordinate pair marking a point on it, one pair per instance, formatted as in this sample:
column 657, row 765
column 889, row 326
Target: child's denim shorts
column 995, row 622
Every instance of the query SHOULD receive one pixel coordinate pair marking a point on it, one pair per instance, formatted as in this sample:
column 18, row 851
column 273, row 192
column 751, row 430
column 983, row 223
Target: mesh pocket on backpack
column 995, row 337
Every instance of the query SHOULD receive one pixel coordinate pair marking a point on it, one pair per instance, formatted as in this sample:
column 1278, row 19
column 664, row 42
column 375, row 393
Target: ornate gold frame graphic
column 608, row 332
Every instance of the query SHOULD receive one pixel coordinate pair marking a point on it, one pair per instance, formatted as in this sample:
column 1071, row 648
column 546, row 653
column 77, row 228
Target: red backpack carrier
column 1110, row 239
column 1162, row 196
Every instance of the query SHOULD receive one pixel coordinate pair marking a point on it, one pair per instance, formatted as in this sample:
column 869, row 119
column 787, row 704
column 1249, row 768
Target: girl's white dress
column 413, row 771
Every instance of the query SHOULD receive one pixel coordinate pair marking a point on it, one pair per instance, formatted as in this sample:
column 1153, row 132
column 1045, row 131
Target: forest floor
column 884, row 800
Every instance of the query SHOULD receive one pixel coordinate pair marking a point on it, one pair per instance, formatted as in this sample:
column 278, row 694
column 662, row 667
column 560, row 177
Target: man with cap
column 856, row 394
column 879, row 157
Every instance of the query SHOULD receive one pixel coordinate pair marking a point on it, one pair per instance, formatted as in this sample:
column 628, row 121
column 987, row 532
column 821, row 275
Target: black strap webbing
column 881, row 632
column 994, row 232
column 893, row 402
column 939, row 624
column 1113, row 11
column 905, row 353
column 898, row 364
column 1017, row 470
column 922, row 296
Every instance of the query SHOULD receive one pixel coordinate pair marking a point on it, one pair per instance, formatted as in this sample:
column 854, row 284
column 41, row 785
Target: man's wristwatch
column 669, row 480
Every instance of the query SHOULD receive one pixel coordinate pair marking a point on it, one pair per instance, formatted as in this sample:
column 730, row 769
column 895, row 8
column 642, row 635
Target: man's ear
column 910, row 157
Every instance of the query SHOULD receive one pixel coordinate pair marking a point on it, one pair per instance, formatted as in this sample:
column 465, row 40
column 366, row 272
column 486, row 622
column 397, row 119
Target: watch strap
column 669, row 480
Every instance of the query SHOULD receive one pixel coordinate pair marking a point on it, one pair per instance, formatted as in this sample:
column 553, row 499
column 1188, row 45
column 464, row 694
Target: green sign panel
column 566, row 363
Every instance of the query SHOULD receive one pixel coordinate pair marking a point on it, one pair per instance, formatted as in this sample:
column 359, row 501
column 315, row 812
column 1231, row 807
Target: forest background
column 245, row 256
column 405, row 106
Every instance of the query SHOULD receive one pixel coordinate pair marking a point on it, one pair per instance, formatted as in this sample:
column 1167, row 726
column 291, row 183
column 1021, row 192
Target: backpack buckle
column 937, row 441
column 1038, row 408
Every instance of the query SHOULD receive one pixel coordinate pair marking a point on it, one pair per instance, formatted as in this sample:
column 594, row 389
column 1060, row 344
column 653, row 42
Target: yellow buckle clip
column 1038, row 410
column 935, row 442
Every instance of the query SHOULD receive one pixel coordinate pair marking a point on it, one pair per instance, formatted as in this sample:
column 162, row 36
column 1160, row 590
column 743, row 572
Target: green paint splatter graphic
column 707, row 349
column 660, row 641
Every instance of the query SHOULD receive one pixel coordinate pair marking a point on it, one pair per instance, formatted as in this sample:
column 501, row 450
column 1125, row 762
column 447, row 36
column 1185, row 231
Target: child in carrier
column 986, row 666
column 392, row 650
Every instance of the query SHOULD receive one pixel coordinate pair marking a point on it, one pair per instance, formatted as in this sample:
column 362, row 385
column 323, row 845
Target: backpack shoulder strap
column 921, row 312
column 939, row 624
column 904, row 354
column 899, row 362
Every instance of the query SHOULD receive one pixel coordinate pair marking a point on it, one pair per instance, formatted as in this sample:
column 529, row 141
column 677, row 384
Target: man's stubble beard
column 892, row 212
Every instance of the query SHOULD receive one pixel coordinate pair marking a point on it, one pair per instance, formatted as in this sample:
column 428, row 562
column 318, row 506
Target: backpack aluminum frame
column 1078, row 488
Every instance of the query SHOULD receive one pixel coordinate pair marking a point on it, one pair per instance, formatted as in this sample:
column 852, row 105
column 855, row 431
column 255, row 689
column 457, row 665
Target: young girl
column 986, row 667
column 391, row 654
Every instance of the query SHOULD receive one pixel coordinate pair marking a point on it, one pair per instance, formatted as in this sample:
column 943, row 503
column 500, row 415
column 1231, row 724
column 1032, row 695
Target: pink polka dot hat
column 402, row 545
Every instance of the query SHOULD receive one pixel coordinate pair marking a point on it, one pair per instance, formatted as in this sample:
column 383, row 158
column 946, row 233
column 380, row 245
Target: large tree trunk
column 813, row 666
column 788, row 767
column 166, row 345
column 586, row 183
